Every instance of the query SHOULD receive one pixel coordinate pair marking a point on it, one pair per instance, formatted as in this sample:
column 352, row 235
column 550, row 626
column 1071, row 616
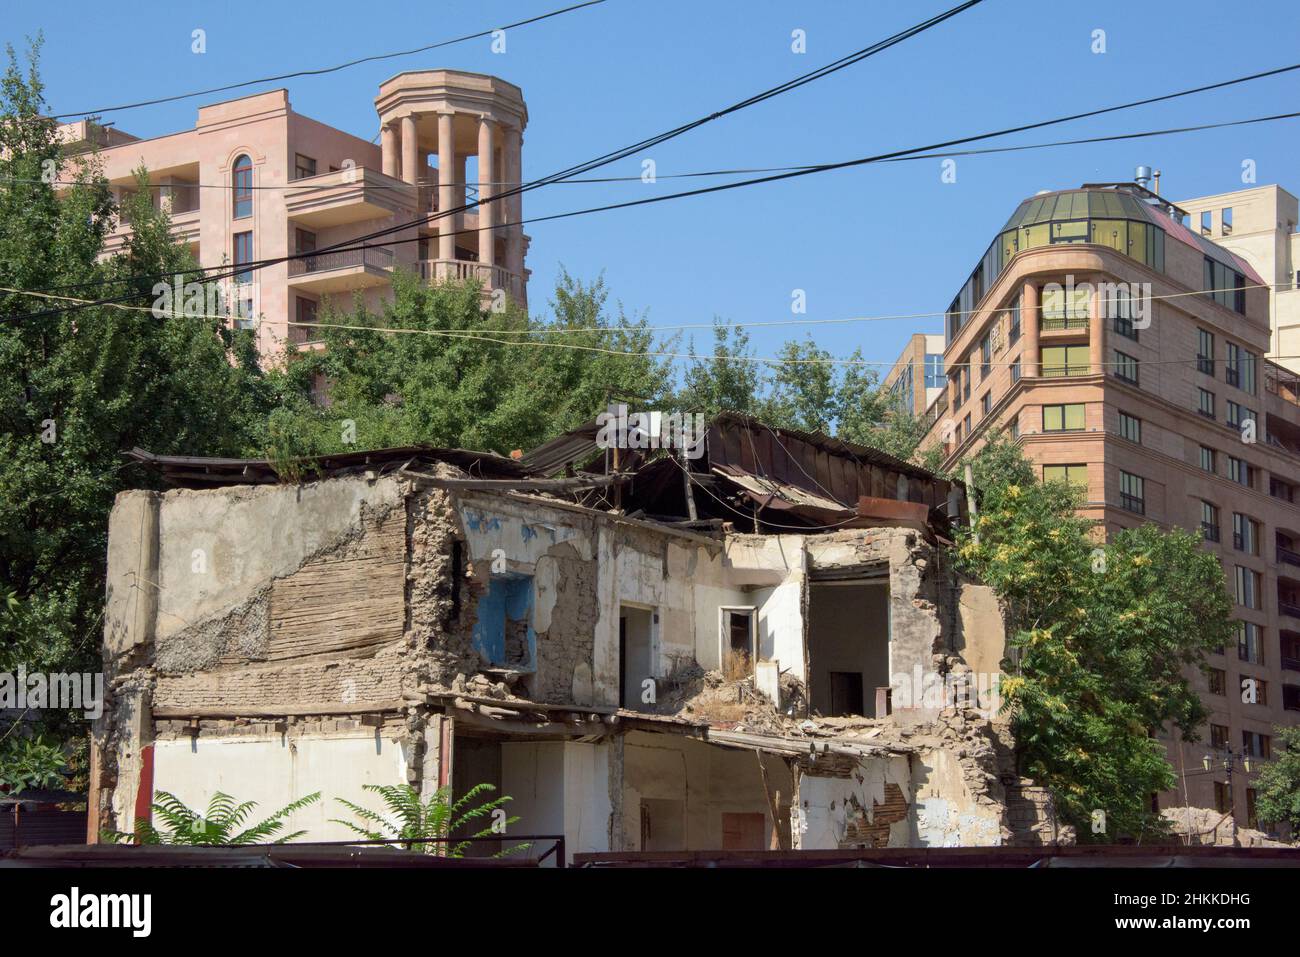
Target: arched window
column 242, row 178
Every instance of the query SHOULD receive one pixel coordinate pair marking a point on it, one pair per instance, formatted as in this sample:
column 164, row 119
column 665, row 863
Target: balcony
column 345, row 196
column 459, row 270
column 1288, row 556
column 342, row 271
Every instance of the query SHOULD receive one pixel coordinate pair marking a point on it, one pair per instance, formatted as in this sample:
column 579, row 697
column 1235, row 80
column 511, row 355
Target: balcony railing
column 1287, row 608
column 374, row 256
column 459, row 270
column 1066, row 370
column 1288, row 556
column 1290, row 664
column 1063, row 322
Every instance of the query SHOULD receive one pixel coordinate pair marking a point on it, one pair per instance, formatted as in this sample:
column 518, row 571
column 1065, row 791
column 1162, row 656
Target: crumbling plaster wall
column 702, row 780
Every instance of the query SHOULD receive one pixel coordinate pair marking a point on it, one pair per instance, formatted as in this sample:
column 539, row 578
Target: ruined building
column 645, row 650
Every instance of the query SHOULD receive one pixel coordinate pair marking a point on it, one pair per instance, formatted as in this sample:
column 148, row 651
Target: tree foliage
column 427, row 826
column 1277, row 789
column 222, row 824
column 1105, row 635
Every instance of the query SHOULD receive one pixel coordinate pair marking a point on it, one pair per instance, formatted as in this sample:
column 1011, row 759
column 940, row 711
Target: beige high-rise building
column 1125, row 353
column 254, row 180
column 917, row 378
column 1259, row 225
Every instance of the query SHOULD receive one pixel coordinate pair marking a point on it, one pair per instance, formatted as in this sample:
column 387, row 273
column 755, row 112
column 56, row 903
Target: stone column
column 391, row 150
column 446, row 191
column 1096, row 330
column 410, row 150
column 511, row 159
column 486, row 175
column 1029, row 321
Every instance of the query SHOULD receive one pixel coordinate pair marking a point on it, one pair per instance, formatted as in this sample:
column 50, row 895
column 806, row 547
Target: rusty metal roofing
column 191, row 471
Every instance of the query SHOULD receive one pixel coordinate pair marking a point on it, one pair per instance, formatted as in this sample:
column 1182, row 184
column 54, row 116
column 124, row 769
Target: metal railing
column 378, row 257
column 1288, row 608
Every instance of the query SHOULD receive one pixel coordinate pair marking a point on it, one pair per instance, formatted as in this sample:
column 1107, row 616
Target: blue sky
column 881, row 240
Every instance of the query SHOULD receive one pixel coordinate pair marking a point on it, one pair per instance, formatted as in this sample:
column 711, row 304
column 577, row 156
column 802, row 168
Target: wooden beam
column 504, row 485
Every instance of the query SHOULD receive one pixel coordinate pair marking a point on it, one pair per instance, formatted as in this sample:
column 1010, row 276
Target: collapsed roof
column 745, row 474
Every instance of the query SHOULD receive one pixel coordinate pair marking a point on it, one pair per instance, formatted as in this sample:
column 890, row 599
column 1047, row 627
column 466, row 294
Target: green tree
column 77, row 388
column 727, row 381
column 1277, row 789
column 460, row 375
column 1105, row 635
column 221, row 825
column 431, row 823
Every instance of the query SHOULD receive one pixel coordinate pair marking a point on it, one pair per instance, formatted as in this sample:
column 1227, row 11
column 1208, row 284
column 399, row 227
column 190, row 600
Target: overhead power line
column 581, row 212
column 487, row 336
column 329, row 69
column 604, row 160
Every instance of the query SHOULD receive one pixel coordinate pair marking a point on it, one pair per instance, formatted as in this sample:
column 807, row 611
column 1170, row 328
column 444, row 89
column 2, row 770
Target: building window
column 1245, row 534
column 1209, row 522
column 1064, row 309
column 1218, row 680
column 1132, row 494
column 1126, row 367
column 1249, row 647
column 1207, row 458
column 965, row 381
column 1224, row 285
column 1239, row 414
column 1239, row 370
column 966, row 421
column 1222, row 796
column 245, row 316
column 303, row 166
column 1065, row 360
column 242, row 194
column 1015, row 428
column 305, row 317
column 1130, row 427
column 1205, row 351
column 1064, row 418
column 1225, row 221
column 1281, row 490
column 1013, row 336
column 1207, row 222
column 1247, row 587
column 1219, row 737
column 986, row 356
column 1205, row 402
column 1261, row 690
column 933, row 370
column 1076, row 475
column 243, row 253
column 1015, row 371
column 1241, row 472
column 986, row 403
column 1120, row 309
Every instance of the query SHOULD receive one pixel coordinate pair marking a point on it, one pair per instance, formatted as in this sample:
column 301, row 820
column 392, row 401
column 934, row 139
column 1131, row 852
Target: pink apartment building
column 254, row 180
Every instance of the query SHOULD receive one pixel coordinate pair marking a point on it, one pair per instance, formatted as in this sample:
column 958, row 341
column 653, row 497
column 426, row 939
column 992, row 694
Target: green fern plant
column 219, row 825
column 410, row 820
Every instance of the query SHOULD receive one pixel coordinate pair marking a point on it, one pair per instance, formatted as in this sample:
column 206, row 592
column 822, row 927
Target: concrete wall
column 276, row 769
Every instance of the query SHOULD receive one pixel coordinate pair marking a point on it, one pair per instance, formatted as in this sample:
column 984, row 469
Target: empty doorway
column 848, row 645
column 636, row 639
